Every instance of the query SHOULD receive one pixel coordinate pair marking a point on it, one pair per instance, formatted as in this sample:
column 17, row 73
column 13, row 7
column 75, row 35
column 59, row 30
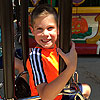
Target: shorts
column 71, row 97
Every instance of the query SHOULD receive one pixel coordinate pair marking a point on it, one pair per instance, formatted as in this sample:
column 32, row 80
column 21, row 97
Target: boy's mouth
column 46, row 41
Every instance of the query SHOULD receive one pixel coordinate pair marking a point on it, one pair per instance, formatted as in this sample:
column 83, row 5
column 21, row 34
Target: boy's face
column 45, row 31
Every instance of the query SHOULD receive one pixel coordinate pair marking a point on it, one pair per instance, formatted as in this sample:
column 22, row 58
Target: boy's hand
column 70, row 58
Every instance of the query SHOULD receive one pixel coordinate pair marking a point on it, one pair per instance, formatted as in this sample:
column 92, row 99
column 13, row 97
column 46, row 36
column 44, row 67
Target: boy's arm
column 51, row 90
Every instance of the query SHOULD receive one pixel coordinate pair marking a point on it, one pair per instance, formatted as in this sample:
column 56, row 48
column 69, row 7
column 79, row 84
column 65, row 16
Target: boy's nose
column 46, row 32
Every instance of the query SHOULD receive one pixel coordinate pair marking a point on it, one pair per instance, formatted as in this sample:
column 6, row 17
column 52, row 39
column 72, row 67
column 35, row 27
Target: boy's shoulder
column 35, row 50
column 41, row 50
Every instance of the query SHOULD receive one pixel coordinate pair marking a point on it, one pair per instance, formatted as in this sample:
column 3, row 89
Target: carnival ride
column 8, row 47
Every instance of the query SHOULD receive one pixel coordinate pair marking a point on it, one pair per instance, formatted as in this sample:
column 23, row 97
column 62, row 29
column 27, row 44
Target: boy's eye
column 50, row 28
column 39, row 29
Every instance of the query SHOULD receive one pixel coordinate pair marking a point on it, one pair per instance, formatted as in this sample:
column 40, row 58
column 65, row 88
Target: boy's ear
column 31, row 28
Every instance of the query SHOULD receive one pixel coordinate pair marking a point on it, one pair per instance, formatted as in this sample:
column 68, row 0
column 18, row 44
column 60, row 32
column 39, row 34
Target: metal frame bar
column 65, row 24
column 24, row 30
column 8, row 47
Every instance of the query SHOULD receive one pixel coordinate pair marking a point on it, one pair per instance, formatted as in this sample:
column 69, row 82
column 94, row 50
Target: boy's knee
column 86, row 90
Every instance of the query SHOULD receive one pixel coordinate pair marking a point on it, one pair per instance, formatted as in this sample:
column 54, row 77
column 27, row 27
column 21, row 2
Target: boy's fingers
column 73, row 45
column 60, row 52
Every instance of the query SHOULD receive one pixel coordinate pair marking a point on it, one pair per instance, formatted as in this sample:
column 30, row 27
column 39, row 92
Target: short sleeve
column 37, row 66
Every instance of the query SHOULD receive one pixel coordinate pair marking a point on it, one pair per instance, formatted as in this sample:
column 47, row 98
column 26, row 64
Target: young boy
column 43, row 62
